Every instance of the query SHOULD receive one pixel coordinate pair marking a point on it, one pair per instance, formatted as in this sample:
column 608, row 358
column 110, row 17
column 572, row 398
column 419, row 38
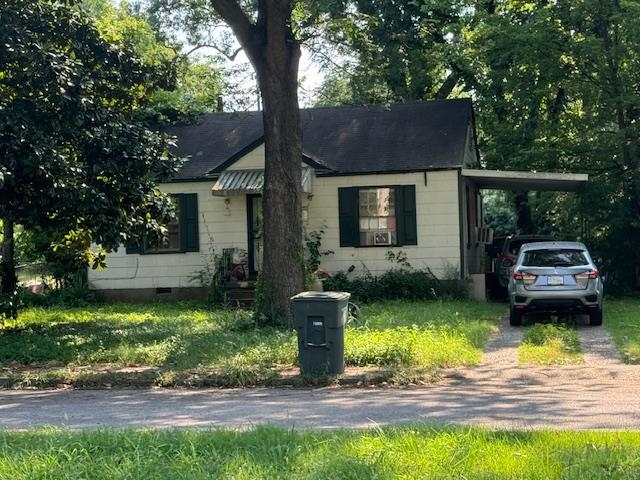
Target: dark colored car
column 555, row 277
column 509, row 253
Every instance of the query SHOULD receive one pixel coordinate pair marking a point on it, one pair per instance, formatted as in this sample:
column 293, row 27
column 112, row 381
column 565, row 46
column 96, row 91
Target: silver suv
column 555, row 277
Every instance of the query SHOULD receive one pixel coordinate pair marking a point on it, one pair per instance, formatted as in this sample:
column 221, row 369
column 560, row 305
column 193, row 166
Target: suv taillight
column 585, row 275
column 527, row 278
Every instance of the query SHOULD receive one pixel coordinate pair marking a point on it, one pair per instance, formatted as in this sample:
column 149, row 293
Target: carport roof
column 537, row 181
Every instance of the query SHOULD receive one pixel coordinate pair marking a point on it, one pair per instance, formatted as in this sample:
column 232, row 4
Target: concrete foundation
column 477, row 287
column 145, row 295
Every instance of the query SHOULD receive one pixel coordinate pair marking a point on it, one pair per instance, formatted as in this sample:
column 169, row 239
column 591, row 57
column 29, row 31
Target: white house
column 404, row 177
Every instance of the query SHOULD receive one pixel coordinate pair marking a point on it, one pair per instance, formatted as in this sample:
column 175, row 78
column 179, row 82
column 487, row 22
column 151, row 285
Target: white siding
column 436, row 215
column 472, row 219
column 253, row 160
column 175, row 269
column 438, row 227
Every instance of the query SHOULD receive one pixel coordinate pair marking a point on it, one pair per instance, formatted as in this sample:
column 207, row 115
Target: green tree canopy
column 183, row 85
column 75, row 153
column 555, row 87
column 557, row 90
column 401, row 51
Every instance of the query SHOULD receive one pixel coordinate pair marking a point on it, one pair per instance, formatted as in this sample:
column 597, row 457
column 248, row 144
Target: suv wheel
column 515, row 317
column 595, row 317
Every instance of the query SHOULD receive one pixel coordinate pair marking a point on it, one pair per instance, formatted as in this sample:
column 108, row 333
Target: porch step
column 240, row 294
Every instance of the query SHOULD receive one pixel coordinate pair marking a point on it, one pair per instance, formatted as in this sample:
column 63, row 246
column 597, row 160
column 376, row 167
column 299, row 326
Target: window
column 171, row 242
column 182, row 235
column 554, row 258
column 377, row 216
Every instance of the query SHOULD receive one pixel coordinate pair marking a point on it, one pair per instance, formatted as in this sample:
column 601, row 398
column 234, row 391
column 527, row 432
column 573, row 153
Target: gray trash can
column 319, row 318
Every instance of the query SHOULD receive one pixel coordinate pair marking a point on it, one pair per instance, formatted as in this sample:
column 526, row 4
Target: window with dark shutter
column 189, row 222
column 377, row 216
column 348, row 217
column 182, row 232
column 407, row 227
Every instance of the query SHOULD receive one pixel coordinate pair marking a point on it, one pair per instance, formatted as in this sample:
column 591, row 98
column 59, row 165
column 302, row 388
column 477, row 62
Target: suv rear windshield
column 554, row 258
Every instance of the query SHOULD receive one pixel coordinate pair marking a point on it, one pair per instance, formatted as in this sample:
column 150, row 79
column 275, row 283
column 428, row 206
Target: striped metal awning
column 238, row 182
column 243, row 182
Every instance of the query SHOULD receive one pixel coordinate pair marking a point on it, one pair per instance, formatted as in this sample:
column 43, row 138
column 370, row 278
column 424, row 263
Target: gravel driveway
column 601, row 393
column 500, row 361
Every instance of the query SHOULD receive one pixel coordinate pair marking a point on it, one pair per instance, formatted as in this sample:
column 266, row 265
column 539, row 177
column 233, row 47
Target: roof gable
column 215, row 140
column 341, row 140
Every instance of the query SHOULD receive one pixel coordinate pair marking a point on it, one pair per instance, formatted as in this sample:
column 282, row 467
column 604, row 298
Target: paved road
column 525, row 403
column 601, row 394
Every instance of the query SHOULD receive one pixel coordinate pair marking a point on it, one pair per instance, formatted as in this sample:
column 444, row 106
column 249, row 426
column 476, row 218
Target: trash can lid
column 321, row 296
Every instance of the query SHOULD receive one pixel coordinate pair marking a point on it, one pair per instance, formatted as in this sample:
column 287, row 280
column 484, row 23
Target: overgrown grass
column 550, row 344
column 186, row 345
column 622, row 319
column 408, row 452
column 177, row 341
column 422, row 334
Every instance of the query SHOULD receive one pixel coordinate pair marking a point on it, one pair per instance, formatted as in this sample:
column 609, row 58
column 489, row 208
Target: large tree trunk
column 8, row 277
column 282, row 265
column 275, row 53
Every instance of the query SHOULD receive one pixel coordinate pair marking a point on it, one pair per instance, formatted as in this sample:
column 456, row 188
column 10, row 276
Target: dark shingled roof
column 344, row 140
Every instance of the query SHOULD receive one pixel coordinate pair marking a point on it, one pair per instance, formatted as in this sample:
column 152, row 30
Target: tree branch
column 447, row 86
column 328, row 59
column 228, row 56
column 231, row 13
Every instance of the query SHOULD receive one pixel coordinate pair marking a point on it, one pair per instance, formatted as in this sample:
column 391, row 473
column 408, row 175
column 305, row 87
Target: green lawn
column 186, row 345
column 163, row 345
column 622, row 319
column 408, row 452
column 171, row 345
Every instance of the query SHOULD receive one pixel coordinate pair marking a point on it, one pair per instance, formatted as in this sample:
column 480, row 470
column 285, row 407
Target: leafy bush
column 397, row 284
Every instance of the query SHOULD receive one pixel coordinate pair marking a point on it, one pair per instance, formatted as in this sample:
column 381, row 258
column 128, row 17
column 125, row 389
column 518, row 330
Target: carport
column 511, row 181
column 530, row 181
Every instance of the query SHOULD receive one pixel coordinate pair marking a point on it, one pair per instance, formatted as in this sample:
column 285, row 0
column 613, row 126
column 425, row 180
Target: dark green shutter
column 188, row 204
column 348, row 217
column 406, row 205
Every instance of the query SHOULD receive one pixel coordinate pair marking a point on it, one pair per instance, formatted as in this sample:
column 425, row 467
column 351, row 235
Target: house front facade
column 375, row 180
